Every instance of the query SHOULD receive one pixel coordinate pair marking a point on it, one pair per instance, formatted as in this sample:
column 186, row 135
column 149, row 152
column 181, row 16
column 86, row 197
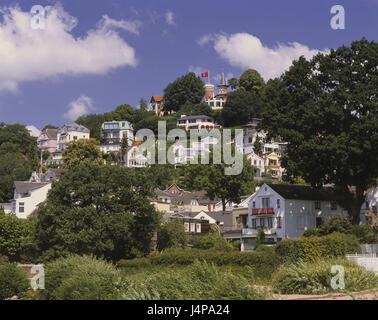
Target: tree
column 212, row 179
column 93, row 122
column 99, row 210
column 233, row 83
column 49, row 126
column 258, row 145
column 327, row 111
column 188, row 88
column 13, row 167
column 251, row 80
column 240, row 107
column 142, row 104
column 82, row 151
column 171, row 235
column 13, row 231
column 15, row 138
column 190, row 109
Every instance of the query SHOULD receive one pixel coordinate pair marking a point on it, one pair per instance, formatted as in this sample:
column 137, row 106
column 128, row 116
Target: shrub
column 171, row 235
column 364, row 233
column 263, row 263
column 138, row 263
column 13, row 281
column 214, row 241
column 315, row 277
column 77, row 277
column 313, row 248
column 201, row 281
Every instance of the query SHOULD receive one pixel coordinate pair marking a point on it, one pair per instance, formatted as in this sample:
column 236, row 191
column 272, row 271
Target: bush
column 84, row 278
column 315, row 277
column 215, row 242
column 138, row 263
column 336, row 223
column 171, row 235
column 263, row 263
column 313, row 248
column 13, row 281
column 201, row 281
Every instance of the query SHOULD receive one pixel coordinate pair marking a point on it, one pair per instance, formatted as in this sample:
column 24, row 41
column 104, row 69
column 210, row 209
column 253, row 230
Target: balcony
column 259, row 211
column 254, row 232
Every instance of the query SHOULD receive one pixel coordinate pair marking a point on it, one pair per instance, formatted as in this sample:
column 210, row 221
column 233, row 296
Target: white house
column 69, row 132
column 27, row 196
column 196, row 122
column 287, row 211
column 113, row 132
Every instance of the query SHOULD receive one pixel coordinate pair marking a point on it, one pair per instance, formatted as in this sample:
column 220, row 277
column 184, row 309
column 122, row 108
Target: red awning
column 262, row 211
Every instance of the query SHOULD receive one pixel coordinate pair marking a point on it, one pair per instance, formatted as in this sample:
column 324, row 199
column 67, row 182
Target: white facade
column 285, row 218
column 196, row 122
column 24, row 204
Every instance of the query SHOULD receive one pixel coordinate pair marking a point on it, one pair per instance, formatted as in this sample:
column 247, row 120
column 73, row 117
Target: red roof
column 157, row 98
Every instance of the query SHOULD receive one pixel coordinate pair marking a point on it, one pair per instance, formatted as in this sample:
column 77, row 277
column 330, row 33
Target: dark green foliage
column 188, row 88
column 13, row 281
column 326, row 109
column 315, row 277
column 190, row 109
column 213, row 241
column 18, row 156
column 251, row 80
column 201, row 281
column 240, row 107
column 80, row 278
column 336, row 223
column 313, row 248
column 171, row 235
column 100, row 210
column 263, row 264
column 15, row 234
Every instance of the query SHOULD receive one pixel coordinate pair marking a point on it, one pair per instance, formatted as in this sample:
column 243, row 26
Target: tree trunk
column 355, row 203
column 224, row 204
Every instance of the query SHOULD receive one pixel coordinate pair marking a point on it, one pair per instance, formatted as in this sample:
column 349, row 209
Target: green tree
column 240, row 107
column 13, row 167
column 13, row 231
column 258, row 146
column 171, row 234
column 327, row 111
column 251, row 80
column 190, row 109
column 142, row 104
column 82, row 151
column 212, row 179
column 188, row 88
column 93, row 122
column 233, row 83
column 13, row 281
column 99, row 210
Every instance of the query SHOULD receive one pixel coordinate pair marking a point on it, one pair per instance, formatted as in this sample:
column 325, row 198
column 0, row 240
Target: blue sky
column 95, row 54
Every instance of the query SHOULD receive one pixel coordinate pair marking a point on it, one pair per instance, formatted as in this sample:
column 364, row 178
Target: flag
column 205, row 74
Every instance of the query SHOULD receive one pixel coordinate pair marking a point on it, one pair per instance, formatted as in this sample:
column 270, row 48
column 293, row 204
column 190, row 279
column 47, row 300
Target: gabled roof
column 156, row 98
column 73, row 127
column 23, row 187
column 299, row 192
column 51, row 133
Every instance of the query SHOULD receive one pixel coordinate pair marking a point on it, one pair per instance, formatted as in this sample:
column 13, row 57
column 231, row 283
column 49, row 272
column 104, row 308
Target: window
column 211, row 104
column 317, row 205
column 253, row 223
column 21, row 208
column 218, row 104
column 279, row 225
column 186, row 225
column 198, row 228
column 192, row 227
column 75, row 137
column 367, row 204
column 265, row 202
column 262, row 222
column 278, row 203
column 318, row 221
column 253, row 204
column 333, row 205
column 250, row 140
column 270, row 222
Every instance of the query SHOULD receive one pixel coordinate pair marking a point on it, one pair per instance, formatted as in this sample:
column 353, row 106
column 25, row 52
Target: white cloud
column 131, row 26
column 169, row 18
column 78, row 107
column 246, row 51
column 27, row 54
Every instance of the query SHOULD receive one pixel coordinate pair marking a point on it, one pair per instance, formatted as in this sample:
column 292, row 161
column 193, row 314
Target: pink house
column 47, row 140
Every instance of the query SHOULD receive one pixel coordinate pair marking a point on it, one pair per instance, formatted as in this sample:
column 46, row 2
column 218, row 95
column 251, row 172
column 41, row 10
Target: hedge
column 263, row 263
column 314, row 248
